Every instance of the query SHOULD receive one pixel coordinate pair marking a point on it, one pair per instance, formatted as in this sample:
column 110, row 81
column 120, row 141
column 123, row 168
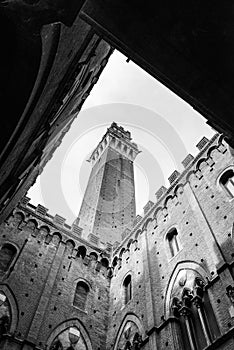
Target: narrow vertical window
column 227, row 182
column 173, row 241
column 7, row 254
column 127, row 289
column 81, row 294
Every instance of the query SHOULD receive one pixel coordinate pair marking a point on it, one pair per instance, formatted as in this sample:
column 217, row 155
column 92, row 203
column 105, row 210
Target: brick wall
column 48, row 265
column 44, row 278
column 202, row 213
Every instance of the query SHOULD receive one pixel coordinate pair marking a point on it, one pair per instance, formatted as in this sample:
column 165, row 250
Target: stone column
column 198, row 303
column 185, row 313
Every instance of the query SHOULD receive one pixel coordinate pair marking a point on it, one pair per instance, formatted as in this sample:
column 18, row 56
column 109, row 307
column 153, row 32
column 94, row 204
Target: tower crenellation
column 108, row 206
column 118, row 139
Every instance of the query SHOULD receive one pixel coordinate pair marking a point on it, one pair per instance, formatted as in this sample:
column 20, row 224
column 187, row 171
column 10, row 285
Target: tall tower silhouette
column 108, row 206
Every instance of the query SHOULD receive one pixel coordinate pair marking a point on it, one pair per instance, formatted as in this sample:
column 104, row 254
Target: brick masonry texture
column 41, row 280
column 108, row 206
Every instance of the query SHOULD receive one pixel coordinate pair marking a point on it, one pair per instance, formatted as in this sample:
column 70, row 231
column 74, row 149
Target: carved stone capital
column 197, row 301
column 185, row 311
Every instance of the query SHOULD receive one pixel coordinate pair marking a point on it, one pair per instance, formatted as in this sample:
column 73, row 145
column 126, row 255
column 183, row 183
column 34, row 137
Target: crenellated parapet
column 137, row 219
column 157, row 213
column 47, row 229
column 187, row 160
column 154, row 213
column 118, row 139
column 147, row 207
column 60, row 222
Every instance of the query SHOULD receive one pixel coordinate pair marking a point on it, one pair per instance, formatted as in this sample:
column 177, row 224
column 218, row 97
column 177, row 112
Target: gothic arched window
column 130, row 337
column 190, row 303
column 81, row 293
column 172, row 239
column 69, row 339
column 227, row 182
column 7, row 254
column 127, row 285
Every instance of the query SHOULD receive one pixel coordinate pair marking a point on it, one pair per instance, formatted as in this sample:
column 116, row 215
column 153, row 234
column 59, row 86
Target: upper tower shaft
column 108, row 206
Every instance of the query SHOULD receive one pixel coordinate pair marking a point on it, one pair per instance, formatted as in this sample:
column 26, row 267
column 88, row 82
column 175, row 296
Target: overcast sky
column 165, row 128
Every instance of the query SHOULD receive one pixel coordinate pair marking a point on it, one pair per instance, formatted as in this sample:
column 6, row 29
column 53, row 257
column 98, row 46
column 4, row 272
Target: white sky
column 165, row 128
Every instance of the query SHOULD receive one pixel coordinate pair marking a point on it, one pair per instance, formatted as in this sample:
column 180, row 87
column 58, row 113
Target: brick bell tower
column 108, row 206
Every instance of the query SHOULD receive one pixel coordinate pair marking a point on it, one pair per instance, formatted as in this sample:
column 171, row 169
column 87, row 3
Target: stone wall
column 42, row 279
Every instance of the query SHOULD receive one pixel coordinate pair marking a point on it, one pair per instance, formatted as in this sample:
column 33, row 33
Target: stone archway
column 8, row 309
column 65, row 332
column 130, row 333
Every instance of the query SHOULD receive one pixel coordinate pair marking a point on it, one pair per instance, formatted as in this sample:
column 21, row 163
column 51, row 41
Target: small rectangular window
column 173, row 242
column 127, row 289
column 81, row 294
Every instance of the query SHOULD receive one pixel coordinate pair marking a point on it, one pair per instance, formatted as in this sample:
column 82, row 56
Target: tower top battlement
column 119, row 131
column 108, row 207
column 119, row 139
